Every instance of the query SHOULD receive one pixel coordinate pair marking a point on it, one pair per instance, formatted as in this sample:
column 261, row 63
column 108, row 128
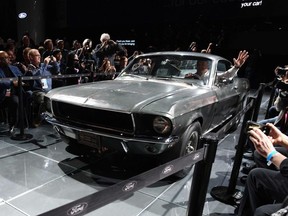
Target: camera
column 281, row 71
column 88, row 64
column 111, row 42
column 282, row 85
column 251, row 125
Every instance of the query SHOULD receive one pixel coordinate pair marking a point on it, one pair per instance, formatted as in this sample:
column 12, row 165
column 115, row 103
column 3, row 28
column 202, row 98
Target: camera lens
column 281, row 71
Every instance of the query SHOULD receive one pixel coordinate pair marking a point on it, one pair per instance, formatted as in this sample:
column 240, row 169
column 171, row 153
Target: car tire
column 189, row 143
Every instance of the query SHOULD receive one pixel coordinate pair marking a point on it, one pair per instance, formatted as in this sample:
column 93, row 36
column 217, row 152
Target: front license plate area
column 89, row 139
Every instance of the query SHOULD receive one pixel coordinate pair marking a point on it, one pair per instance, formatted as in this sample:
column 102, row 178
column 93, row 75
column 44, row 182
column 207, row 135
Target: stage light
column 22, row 15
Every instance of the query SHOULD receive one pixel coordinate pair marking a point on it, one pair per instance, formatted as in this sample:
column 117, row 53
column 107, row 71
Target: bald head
column 4, row 58
column 3, row 53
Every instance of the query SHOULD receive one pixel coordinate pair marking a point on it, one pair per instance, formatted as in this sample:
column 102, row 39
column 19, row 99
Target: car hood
column 125, row 95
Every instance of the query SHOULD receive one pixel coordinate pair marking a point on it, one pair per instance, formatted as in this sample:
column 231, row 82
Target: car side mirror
column 225, row 81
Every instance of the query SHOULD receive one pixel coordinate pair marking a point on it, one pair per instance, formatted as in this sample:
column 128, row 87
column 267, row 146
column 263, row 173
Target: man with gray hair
column 106, row 49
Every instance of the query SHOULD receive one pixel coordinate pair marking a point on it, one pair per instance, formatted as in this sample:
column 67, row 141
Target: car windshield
column 169, row 66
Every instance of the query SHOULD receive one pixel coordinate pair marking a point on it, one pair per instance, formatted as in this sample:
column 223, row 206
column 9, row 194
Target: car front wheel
column 190, row 141
column 188, row 144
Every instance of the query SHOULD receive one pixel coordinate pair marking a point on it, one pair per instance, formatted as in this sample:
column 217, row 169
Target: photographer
column 56, row 67
column 107, row 70
column 85, row 55
column 281, row 101
column 277, row 111
column 106, row 49
column 282, row 84
column 266, row 189
column 49, row 46
column 39, row 87
column 277, row 137
column 73, row 67
column 280, row 120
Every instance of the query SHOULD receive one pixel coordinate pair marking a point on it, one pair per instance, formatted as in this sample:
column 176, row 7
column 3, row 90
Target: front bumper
column 94, row 139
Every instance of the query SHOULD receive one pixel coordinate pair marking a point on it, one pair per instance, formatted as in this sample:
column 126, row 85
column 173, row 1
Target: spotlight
column 22, row 15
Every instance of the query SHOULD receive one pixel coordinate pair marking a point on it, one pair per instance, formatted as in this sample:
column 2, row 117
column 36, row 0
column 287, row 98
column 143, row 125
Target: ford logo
column 77, row 209
column 168, row 169
column 129, row 186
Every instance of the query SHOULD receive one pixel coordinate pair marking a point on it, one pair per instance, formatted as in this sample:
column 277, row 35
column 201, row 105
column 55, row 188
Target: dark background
column 169, row 25
column 166, row 24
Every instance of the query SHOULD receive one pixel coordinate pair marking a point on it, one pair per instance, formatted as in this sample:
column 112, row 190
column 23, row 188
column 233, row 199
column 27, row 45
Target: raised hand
column 242, row 57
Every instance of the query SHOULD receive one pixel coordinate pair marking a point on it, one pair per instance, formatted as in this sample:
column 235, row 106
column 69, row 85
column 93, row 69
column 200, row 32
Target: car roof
column 185, row 53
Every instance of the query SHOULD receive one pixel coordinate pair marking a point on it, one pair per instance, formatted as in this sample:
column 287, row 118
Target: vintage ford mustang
column 151, row 108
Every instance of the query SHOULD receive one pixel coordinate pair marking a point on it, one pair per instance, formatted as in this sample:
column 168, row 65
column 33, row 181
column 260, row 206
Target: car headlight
column 162, row 125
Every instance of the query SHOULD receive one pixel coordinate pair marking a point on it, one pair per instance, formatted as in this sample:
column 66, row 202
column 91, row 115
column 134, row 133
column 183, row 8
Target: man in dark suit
column 8, row 89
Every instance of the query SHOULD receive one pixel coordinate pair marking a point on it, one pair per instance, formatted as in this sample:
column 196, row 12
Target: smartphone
column 251, row 125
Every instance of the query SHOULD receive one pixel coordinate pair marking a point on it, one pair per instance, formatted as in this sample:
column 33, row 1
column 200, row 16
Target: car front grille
column 103, row 120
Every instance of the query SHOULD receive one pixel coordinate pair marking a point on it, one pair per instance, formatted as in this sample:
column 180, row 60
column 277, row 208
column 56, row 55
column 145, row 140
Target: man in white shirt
column 203, row 68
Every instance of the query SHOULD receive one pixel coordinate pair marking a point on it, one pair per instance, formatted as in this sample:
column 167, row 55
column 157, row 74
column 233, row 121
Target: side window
column 223, row 66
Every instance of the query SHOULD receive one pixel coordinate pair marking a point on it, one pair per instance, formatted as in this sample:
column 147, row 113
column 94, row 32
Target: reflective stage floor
column 42, row 173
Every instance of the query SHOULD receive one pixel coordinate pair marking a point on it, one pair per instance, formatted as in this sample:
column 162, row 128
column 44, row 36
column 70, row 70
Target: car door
column 227, row 94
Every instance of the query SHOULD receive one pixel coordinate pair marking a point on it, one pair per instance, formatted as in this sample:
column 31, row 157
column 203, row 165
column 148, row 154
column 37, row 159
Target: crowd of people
column 266, row 178
column 52, row 58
